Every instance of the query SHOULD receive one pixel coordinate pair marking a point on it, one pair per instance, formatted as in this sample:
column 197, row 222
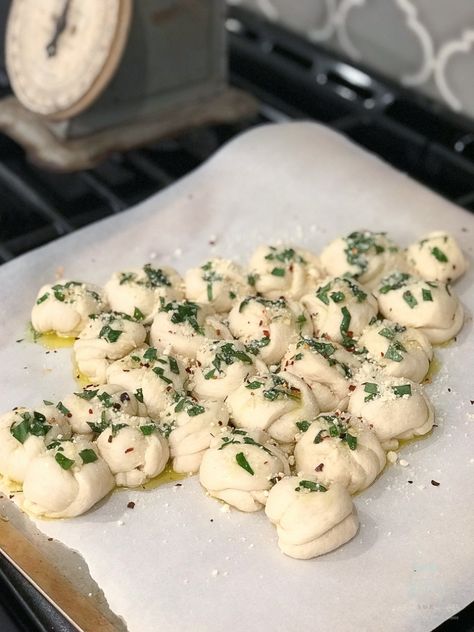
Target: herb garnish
column 409, row 299
column 109, row 334
column 63, row 461
column 244, row 464
column 404, row 389
column 311, row 486
column 88, row 456
column 372, row 390
column 439, row 255
column 30, row 424
column 185, row 312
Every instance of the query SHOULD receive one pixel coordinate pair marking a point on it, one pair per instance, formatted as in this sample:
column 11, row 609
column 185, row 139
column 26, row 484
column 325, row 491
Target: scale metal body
column 82, row 66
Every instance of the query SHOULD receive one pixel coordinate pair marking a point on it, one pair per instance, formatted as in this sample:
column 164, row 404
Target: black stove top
column 293, row 80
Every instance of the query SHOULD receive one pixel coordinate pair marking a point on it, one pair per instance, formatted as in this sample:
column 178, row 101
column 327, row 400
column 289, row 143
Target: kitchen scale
column 92, row 77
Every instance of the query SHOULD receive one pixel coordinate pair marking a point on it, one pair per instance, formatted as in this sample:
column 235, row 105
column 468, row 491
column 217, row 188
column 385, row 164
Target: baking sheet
column 176, row 561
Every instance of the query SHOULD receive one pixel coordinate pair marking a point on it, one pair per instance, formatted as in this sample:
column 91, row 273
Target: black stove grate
column 292, row 79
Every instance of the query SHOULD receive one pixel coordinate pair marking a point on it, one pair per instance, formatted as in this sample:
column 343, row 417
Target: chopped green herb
column 301, row 320
column 254, row 346
column 242, row 461
column 109, row 334
column 62, row 409
column 63, row 461
column 87, row 395
column 344, row 327
column 394, row 282
column 253, row 385
column 279, row 272
column 404, row 389
column 409, row 299
column 105, row 399
column 31, row 424
column 138, row 314
column 303, row 425
column 185, row 312
column 88, row 456
column 372, row 390
column 232, row 295
column 189, row 405
column 439, row 255
column 160, row 372
column 58, row 291
column 139, row 395
column 311, row 486
column 42, row 298
column 322, row 293
column 155, row 277
column 46, row 402
column 338, row 297
column 252, row 279
column 210, row 374
column 394, row 351
column 284, row 256
column 174, row 368
column 147, row 429
column 426, row 294
column 150, row 354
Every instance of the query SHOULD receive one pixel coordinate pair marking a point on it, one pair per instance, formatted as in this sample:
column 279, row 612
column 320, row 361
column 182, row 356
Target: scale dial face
column 61, row 54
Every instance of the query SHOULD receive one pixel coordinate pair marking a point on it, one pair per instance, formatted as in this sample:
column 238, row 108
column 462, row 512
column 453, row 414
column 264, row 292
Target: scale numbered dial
column 61, row 54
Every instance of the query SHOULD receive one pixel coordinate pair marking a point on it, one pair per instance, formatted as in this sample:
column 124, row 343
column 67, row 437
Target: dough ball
column 337, row 448
column 429, row 306
column 87, row 406
column 221, row 368
column 152, row 377
column 311, row 519
column 182, row 327
column 364, row 255
column 268, row 326
column 326, row 367
column 340, row 309
column 284, row 271
column 66, row 480
column 218, row 282
column 274, row 402
column 437, row 257
column 134, row 449
column 397, row 350
column 107, row 336
column 240, row 467
column 138, row 291
column 395, row 407
column 190, row 426
column 64, row 308
column 24, row 434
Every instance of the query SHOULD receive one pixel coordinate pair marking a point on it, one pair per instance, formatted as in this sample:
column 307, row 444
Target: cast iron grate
column 292, row 79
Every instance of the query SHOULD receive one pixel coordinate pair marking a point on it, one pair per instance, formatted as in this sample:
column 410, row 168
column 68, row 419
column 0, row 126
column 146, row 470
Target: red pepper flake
column 350, row 334
column 410, row 482
column 129, row 450
column 124, row 397
column 218, row 332
column 131, row 505
column 50, row 539
column 472, row 402
column 319, row 468
column 91, row 412
column 110, row 439
column 266, row 333
column 260, row 323
column 352, row 387
column 188, row 369
column 179, row 485
column 449, row 390
column 435, row 483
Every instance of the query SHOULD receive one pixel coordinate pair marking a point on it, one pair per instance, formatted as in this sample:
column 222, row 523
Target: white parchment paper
column 176, row 562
